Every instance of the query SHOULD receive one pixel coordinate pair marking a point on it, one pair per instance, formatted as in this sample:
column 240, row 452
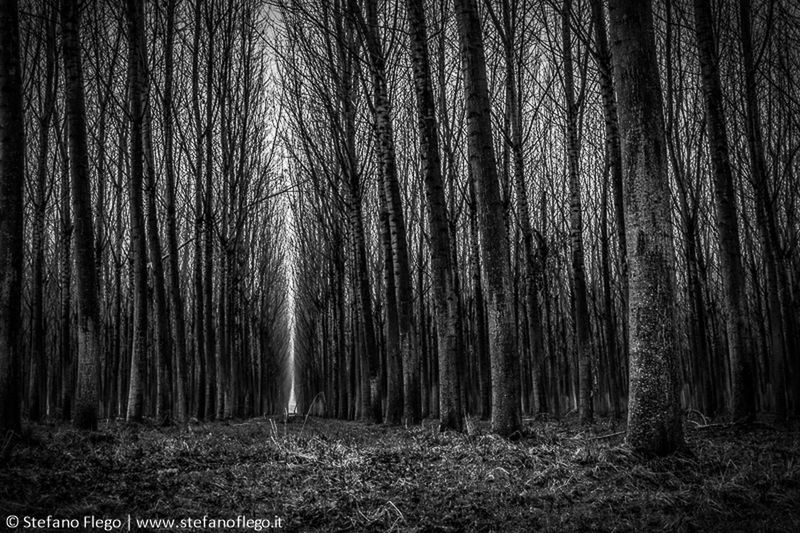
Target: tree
column 765, row 217
column 443, row 277
column 739, row 346
column 136, row 94
column 576, row 227
column 39, row 368
column 506, row 419
column 89, row 327
column 654, row 423
column 175, row 298
column 12, row 176
column 612, row 168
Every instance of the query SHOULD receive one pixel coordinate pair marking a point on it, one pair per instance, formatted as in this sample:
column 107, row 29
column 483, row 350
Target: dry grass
column 337, row 476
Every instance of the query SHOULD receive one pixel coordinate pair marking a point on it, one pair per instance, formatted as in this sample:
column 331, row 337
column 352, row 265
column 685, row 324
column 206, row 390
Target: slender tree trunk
column 65, row 266
column 513, row 103
column 12, row 178
column 506, row 419
column 765, row 216
column 396, row 219
column 394, row 377
column 739, row 345
column 200, row 398
column 208, row 226
column 161, row 336
column 173, row 261
column 444, row 288
column 581, row 306
column 39, row 369
column 614, row 168
column 134, row 19
column 654, row 422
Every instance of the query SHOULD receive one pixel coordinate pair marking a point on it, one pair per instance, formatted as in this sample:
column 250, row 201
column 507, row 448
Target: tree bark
column 161, row 336
column 175, row 298
column 739, row 345
column 89, row 328
column 765, row 216
column 506, row 419
column 12, row 177
column 654, row 422
column 39, row 367
column 394, row 207
column 581, row 306
column 444, row 288
column 613, row 167
column 134, row 18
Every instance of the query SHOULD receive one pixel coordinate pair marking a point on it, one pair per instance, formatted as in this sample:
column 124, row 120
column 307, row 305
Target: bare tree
column 654, row 422
column 12, row 176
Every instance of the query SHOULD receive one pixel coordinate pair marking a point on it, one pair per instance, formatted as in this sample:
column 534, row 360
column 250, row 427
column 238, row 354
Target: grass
column 325, row 475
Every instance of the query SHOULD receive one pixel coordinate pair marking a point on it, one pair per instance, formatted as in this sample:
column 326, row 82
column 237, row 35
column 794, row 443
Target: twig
column 608, row 436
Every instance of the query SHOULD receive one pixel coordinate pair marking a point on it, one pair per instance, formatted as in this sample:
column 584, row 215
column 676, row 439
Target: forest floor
column 325, row 475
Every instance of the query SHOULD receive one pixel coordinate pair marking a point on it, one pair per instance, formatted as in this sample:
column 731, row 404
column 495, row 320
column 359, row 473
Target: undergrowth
column 325, row 475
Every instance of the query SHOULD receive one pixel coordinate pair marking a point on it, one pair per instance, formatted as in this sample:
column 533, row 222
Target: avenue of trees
column 405, row 208
column 142, row 243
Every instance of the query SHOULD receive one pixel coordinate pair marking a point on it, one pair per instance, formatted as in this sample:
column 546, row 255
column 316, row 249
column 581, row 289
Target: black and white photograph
column 400, row 265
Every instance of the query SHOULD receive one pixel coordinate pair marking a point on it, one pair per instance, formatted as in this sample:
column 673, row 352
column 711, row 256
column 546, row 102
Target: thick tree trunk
column 654, row 422
column 444, row 288
column 12, row 177
column 506, row 419
column 89, row 327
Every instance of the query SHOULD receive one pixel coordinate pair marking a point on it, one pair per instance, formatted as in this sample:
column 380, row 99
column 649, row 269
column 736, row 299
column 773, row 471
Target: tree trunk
column 175, row 298
column 613, row 166
column 208, row 227
column 89, row 327
column 506, row 419
column 161, row 337
column 583, row 335
column 654, row 422
column 200, row 398
column 39, row 369
column 12, row 178
column 394, row 206
column 739, row 345
column 134, row 19
column 765, row 215
column 444, row 289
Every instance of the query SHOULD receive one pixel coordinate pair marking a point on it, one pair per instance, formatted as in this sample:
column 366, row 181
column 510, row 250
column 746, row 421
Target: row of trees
column 500, row 208
column 142, row 239
column 511, row 207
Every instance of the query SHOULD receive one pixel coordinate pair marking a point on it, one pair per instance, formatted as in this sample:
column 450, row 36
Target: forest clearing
column 327, row 475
